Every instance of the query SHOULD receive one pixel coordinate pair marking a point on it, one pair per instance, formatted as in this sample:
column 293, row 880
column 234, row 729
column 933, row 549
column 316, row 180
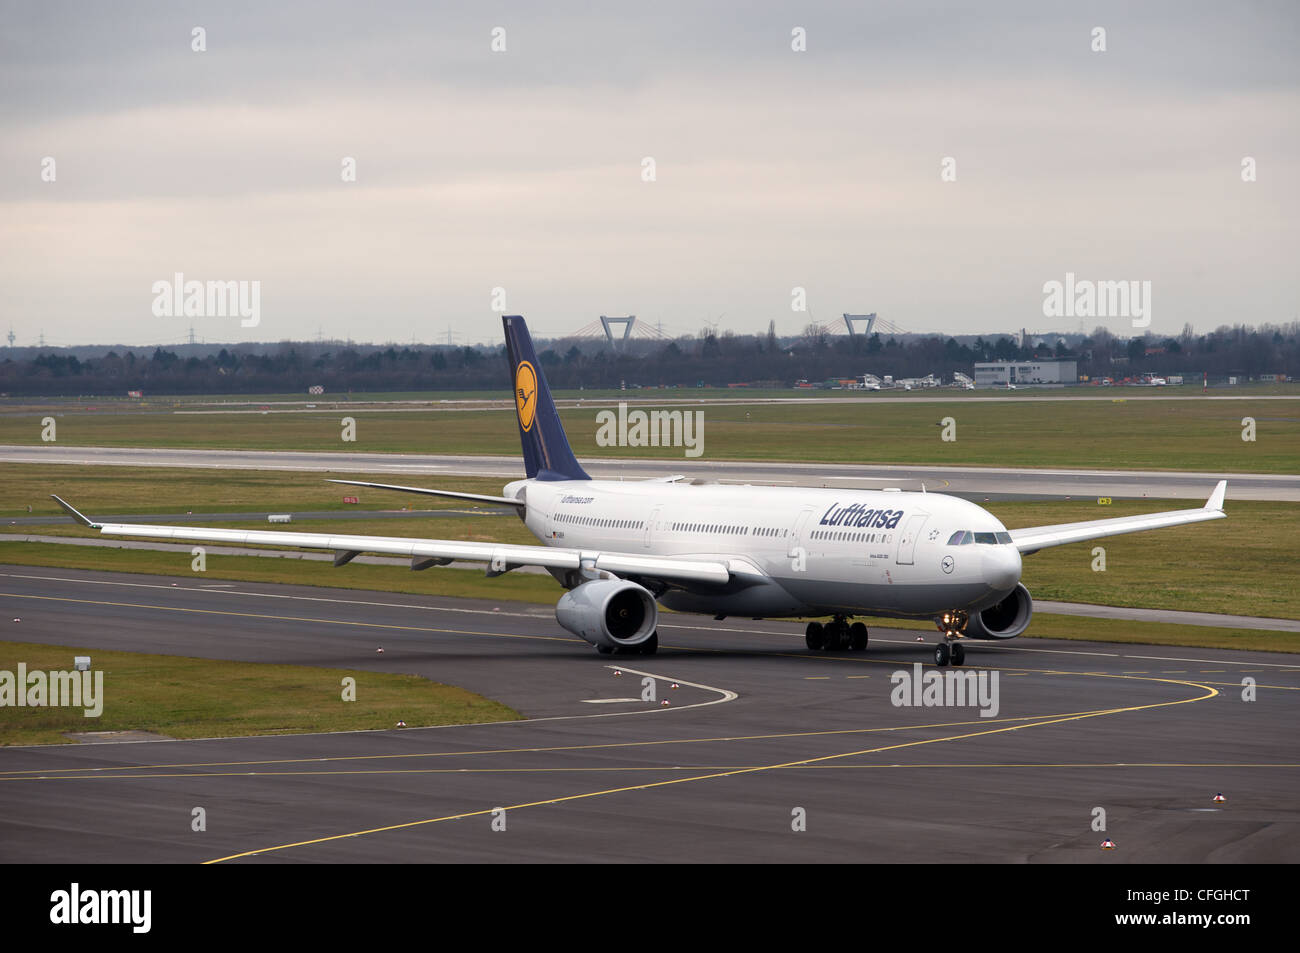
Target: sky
column 935, row 163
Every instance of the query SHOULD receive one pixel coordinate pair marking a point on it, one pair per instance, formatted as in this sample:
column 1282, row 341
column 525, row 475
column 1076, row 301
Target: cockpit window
column 964, row 537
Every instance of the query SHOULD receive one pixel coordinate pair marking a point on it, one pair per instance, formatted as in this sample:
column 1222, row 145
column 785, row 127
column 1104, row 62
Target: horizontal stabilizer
column 450, row 494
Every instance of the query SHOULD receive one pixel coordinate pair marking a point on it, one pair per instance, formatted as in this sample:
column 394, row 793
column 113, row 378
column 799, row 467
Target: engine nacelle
column 1005, row 620
column 609, row 612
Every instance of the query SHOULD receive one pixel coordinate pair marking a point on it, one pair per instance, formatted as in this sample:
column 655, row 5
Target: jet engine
column 609, row 613
column 1006, row 619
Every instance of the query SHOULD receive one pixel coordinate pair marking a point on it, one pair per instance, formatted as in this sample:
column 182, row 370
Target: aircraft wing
column 501, row 557
column 1041, row 537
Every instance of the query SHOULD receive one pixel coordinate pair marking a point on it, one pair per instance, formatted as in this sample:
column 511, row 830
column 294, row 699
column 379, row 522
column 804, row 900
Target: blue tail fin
column 547, row 455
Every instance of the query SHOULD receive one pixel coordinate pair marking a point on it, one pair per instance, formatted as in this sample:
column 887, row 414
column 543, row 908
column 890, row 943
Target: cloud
column 522, row 169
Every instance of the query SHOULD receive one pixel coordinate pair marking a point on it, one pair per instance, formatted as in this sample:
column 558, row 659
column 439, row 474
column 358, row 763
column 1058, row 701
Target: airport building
column 1045, row 372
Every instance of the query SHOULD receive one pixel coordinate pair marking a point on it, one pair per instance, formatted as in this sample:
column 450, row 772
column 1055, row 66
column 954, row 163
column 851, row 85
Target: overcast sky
column 523, row 169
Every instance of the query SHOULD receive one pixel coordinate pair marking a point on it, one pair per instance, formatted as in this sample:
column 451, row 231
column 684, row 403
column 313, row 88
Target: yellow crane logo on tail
column 526, row 394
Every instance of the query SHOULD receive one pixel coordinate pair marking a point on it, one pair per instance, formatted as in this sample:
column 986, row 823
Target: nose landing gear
column 953, row 626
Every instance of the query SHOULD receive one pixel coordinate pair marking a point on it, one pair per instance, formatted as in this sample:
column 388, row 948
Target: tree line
column 709, row 359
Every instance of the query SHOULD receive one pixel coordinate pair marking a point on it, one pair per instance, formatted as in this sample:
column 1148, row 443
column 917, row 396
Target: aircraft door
column 650, row 526
column 908, row 537
column 797, row 551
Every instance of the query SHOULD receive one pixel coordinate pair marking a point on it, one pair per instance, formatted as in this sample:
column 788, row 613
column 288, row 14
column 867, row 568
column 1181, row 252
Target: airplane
column 622, row 549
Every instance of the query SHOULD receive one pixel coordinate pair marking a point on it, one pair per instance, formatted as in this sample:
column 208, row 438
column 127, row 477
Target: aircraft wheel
column 858, row 636
column 834, row 636
column 815, row 636
column 941, row 654
column 958, row 654
column 651, row 645
column 605, row 649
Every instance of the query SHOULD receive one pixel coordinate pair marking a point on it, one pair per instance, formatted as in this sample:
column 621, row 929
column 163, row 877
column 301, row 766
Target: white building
column 1045, row 372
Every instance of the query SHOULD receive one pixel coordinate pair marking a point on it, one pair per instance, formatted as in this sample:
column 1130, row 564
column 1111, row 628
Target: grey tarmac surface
column 759, row 728
column 977, row 483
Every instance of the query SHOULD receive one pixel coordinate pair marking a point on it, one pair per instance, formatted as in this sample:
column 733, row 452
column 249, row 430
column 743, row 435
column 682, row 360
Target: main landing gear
column 836, row 634
column 649, row 647
column 953, row 626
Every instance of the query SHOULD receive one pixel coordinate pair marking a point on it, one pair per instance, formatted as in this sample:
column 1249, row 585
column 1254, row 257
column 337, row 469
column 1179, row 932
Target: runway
column 979, row 483
column 759, row 733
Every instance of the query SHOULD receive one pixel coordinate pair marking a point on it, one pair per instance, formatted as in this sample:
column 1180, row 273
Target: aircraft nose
column 1002, row 567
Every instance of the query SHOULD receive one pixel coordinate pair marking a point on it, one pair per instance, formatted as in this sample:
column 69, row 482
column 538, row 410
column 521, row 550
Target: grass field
column 126, row 490
column 201, row 698
column 1118, row 433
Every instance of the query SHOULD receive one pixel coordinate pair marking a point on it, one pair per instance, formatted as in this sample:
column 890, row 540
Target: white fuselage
column 792, row 550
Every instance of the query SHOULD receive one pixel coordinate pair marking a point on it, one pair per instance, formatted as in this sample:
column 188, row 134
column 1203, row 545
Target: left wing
column 1041, row 537
column 431, row 552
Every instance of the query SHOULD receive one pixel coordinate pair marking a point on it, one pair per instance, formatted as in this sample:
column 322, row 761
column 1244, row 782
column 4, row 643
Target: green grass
column 202, row 698
column 1116, row 433
column 1243, row 565
column 127, row 490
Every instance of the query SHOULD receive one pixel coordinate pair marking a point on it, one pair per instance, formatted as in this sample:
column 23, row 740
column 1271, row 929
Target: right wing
column 500, row 557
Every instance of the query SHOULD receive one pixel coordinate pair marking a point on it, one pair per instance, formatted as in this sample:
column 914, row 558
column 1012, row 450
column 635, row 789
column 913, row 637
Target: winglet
column 75, row 513
column 1215, row 502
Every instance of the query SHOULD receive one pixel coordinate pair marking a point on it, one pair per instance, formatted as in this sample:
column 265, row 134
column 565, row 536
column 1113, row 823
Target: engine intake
column 1005, row 620
column 609, row 612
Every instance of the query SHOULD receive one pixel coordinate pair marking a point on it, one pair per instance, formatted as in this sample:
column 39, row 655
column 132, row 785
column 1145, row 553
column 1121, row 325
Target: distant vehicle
column 621, row 548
